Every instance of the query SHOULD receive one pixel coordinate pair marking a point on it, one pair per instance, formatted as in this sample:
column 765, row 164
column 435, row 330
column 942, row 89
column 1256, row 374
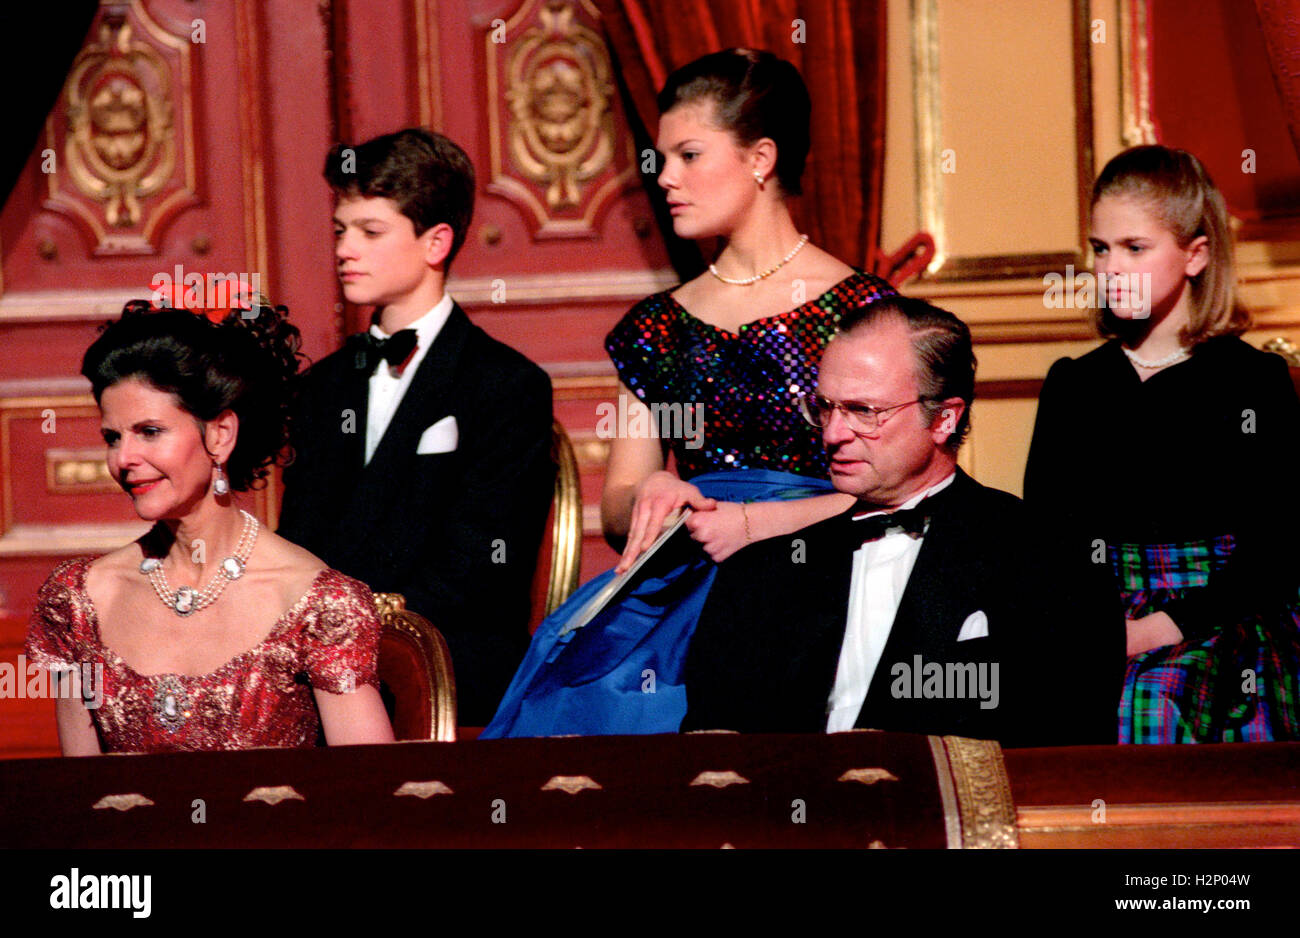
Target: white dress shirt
column 388, row 384
column 881, row 569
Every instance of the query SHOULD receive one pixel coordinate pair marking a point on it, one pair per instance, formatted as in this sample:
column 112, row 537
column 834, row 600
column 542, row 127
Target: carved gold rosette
column 555, row 149
column 124, row 142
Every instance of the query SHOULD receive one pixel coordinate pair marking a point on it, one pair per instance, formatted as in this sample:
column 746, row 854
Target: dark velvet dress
column 1180, row 484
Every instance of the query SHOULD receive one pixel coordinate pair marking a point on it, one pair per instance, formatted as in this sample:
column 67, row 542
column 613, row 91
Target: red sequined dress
column 328, row 640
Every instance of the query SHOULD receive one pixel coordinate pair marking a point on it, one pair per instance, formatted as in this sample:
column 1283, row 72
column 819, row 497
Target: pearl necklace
column 1169, row 359
column 713, row 269
column 187, row 600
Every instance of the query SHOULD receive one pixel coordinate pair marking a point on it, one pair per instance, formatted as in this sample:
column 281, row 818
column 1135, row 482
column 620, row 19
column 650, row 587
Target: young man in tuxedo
column 423, row 447
column 934, row 605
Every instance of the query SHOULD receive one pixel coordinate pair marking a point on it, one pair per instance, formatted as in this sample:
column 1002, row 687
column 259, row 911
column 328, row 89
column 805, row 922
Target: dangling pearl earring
column 220, row 484
column 758, row 178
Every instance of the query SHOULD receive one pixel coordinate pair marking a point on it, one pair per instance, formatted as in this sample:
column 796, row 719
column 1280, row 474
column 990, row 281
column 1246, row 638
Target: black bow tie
column 394, row 350
column 910, row 520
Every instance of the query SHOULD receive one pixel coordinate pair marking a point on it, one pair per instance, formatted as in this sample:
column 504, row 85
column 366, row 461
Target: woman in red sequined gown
column 208, row 632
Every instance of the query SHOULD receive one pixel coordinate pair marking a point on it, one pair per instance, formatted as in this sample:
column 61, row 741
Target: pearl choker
column 713, row 269
column 187, row 600
column 1169, row 359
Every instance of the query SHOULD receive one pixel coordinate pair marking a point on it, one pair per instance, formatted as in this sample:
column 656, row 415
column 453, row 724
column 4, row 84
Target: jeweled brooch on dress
column 171, row 704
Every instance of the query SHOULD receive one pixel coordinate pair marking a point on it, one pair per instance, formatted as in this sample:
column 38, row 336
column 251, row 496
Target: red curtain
column 839, row 48
column 1280, row 22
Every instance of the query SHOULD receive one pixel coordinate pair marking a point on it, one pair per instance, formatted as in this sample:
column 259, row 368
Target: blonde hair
column 1183, row 196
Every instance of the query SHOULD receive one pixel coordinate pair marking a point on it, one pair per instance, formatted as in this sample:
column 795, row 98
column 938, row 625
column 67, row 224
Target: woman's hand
column 722, row 531
column 658, row 496
column 1154, row 631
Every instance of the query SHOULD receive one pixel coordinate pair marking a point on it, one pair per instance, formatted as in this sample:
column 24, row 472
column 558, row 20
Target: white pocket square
column 441, row 437
column 975, row 626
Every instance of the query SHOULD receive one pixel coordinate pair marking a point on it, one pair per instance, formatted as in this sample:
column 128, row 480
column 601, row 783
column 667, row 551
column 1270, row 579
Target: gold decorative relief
column 77, row 472
column 570, row 784
column 124, row 136
column 1135, row 73
column 983, row 794
column 422, row 789
column 274, row 794
column 720, row 779
column 868, row 776
column 556, row 152
column 122, row 802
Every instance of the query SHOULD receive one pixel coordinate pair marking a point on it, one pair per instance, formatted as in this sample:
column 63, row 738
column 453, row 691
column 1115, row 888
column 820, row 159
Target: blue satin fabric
column 622, row 672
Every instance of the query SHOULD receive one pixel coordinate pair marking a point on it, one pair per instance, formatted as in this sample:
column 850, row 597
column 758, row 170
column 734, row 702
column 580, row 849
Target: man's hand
column 1154, row 631
column 660, row 495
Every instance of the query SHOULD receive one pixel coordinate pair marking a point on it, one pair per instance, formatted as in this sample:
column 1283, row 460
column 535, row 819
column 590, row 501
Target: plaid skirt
column 1237, row 685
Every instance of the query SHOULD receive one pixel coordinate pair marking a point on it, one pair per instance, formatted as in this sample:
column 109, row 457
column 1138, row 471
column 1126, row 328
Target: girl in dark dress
column 737, row 345
column 1165, row 453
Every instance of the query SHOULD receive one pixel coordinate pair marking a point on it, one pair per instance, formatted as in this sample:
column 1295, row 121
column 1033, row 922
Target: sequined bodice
column 745, row 385
column 329, row 639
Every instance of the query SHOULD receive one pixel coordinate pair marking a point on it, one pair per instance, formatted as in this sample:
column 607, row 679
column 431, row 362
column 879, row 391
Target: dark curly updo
column 246, row 362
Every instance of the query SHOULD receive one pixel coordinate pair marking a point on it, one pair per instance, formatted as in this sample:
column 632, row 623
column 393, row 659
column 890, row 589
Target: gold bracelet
column 749, row 538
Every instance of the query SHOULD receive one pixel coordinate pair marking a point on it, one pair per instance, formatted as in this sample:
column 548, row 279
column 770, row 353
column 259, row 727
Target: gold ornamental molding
column 556, row 152
column 126, row 141
column 976, row 795
column 929, row 159
column 122, row 802
column 1135, row 73
column 428, row 64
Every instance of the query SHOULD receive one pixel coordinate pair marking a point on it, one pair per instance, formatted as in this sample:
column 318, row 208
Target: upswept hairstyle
column 944, row 357
column 757, row 95
column 247, row 363
column 1177, row 188
column 426, row 174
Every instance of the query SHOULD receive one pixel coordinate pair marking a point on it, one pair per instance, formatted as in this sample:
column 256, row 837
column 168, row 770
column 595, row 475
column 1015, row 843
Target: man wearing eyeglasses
column 935, row 604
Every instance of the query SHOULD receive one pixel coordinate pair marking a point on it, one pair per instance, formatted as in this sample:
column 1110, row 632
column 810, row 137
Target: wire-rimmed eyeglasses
column 860, row 418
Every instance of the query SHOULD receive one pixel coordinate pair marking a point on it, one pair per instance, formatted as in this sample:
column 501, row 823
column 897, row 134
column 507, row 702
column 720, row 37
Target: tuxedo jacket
column 456, row 532
column 765, row 654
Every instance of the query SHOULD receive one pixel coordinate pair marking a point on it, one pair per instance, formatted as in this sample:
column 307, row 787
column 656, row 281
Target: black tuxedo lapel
column 355, row 395
column 819, row 615
column 940, row 593
column 426, row 400
column 428, row 396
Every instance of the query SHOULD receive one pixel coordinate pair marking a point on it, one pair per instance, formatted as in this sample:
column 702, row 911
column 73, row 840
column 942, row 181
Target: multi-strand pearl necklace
column 187, row 600
column 713, row 268
column 1169, row 359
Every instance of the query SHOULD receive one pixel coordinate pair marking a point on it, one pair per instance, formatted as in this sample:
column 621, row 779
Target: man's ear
column 220, row 435
column 945, row 422
column 438, row 242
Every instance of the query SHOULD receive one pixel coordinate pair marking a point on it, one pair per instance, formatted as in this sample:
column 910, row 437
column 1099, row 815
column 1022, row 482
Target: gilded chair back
column 418, row 683
column 560, row 556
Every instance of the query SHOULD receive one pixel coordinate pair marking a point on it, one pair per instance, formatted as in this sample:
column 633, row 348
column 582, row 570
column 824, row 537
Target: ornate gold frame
column 925, row 52
column 502, row 184
column 188, row 194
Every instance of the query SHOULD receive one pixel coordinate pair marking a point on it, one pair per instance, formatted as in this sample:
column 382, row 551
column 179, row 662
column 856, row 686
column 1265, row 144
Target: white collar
column 427, row 326
column 913, row 501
